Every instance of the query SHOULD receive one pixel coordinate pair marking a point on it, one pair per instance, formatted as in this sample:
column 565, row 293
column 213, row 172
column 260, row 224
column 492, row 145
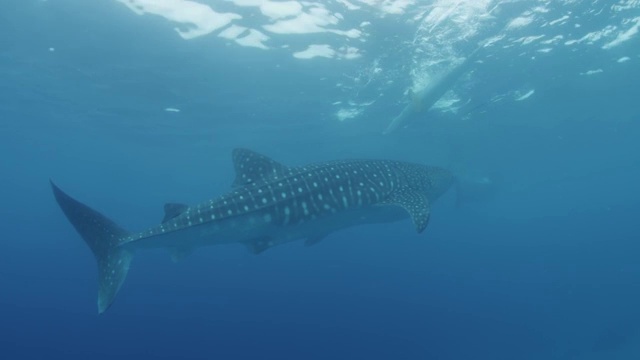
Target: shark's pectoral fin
column 312, row 240
column 259, row 245
column 179, row 253
column 415, row 203
column 252, row 167
column 172, row 210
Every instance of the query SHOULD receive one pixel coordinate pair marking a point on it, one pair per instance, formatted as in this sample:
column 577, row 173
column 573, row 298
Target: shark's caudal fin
column 103, row 237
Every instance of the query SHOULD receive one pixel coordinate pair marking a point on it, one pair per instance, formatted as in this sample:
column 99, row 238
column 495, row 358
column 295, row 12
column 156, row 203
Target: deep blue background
column 545, row 269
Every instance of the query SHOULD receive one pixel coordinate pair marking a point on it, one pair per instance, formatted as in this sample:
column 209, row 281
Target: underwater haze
column 131, row 104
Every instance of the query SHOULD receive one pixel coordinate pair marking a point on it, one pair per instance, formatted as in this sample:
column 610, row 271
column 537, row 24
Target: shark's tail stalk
column 104, row 238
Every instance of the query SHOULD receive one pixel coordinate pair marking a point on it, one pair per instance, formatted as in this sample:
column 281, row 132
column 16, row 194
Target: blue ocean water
column 129, row 104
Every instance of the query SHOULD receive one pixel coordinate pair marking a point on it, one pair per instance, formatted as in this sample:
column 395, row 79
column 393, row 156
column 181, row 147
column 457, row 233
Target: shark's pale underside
column 269, row 204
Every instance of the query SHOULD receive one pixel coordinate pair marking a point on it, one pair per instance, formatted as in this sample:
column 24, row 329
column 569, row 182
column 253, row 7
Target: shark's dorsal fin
column 172, row 210
column 415, row 203
column 252, row 167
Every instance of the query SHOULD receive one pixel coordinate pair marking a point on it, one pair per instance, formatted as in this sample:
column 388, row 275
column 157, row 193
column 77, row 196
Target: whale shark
column 269, row 204
column 425, row 98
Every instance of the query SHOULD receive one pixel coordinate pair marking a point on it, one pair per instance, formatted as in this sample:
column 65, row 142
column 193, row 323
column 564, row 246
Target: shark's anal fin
column 259, row 245
column 312, row 240
column 172, row 210
column 252, row 167
column 415, row 203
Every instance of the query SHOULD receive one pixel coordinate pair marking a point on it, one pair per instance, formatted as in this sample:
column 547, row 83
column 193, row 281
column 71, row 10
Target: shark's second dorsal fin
column 172, row 210
column 415, row 203
column 252, row 167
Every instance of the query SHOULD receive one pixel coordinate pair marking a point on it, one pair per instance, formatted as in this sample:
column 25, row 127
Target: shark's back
column 271, row 193
column 289, row 196
column 293, row 195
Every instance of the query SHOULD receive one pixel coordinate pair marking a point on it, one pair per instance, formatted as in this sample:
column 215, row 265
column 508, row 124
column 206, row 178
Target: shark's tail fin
column 103, row 237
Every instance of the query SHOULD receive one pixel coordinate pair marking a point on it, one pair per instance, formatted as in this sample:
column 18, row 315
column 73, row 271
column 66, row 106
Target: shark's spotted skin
column 269, row 204
column 289, row 196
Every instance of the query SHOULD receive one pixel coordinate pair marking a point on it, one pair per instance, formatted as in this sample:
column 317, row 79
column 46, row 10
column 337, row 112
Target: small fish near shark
column 269, row 204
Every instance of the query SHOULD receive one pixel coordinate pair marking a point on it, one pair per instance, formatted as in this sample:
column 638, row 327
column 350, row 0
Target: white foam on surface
column 561, row 20
column 393, row 7
column 326, row 51
column 541, row 9
column 624, row 5
column 280, row 9
column 254, row 38
column 556, row 39
column 592, row 72
column 520, row 22
column 528, row 39
column 201, row 19
column 315, row 20
column 348, row 5
column 594, row 36
column 348, row 113
column 434, row 36
column 520, row 96
column 318, row 50
column 437, row 21
column 253, row 3
column 349, row 52
column 624, row 35
column 232, row 32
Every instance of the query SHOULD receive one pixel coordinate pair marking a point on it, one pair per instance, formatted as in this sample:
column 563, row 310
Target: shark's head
column 434, row 180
